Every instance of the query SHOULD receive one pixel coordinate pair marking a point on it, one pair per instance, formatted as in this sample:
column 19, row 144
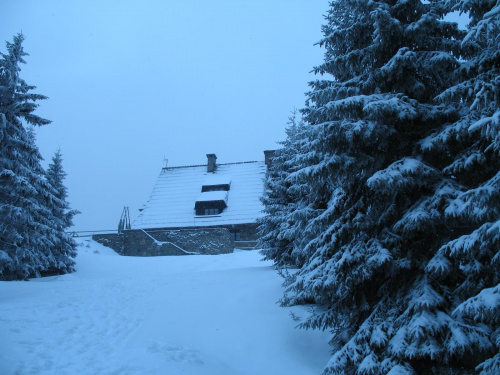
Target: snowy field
column 164, row 315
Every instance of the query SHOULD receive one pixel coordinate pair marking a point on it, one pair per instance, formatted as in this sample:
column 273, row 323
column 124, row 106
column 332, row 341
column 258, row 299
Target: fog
column 133, row 82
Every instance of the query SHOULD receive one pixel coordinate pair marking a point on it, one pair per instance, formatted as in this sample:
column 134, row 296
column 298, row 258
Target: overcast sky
column 132, row 82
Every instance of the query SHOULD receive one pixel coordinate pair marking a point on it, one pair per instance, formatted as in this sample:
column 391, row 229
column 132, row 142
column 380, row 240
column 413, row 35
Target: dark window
column 237, row 236
column 222, row 187
column 211, row 211
column 209, row 207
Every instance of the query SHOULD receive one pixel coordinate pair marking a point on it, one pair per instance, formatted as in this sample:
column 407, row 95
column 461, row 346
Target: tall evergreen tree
column 28, row 232
column 64, row 248
column 385, row 201
column 467, row 152
column 279, row 240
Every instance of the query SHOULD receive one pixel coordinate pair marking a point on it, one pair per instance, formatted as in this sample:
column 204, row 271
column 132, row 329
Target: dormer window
column 211, row 203
column 213, row 197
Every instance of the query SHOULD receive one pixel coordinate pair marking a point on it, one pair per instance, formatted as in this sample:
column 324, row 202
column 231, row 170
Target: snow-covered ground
column 163, row 315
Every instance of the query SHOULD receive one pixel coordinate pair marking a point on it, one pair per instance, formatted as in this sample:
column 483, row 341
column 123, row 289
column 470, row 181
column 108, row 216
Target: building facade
column 200, row 198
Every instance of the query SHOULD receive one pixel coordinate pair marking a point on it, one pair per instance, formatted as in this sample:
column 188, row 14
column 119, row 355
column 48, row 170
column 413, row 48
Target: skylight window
column 216, row 182
column 220, row 187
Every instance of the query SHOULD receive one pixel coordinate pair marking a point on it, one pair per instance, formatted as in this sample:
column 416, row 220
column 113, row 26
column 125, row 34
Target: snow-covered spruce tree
column 64, row 249
column 276, row 204
column 282, row 199
column 384, row 202
column 468, row 154
column 27, row 228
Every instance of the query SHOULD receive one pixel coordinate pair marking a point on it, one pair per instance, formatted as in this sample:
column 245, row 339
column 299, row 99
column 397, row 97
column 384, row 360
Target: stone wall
column 159, row 242
column 112, row 240
column 248, row 232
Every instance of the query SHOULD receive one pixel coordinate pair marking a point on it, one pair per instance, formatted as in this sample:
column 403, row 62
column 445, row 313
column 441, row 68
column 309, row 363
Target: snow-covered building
column 208, row 196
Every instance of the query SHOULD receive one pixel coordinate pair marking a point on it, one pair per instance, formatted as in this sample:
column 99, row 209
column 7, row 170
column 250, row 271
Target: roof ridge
column 204, row 165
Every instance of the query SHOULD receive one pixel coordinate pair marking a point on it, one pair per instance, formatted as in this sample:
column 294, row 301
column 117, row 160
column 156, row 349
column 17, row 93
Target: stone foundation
column 244, row 232
column 160, row 242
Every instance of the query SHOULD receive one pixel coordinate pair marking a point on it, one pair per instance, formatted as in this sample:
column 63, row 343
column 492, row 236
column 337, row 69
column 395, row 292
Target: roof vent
column 211, row 162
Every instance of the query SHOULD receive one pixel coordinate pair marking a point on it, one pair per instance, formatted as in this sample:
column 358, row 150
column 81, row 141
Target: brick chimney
column 268, row 155
column 211, row 162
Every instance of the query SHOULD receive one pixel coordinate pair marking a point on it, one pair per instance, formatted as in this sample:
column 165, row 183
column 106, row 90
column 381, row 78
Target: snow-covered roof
column 213, row 179
column 211, row 196
column 172, row 202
